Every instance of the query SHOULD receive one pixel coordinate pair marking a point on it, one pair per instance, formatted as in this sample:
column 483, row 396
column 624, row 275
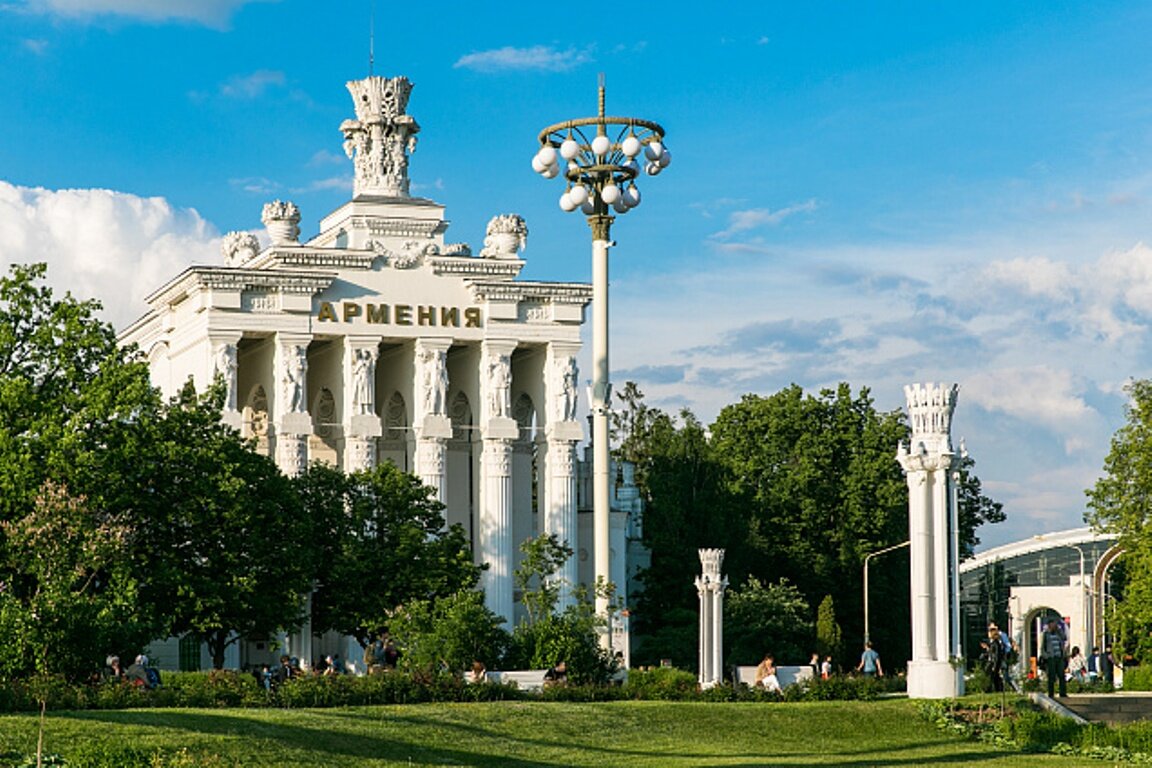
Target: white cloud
column 101, row 244
column 254, row 85
column 1037, row 394
column 213, row 13
column 36, row 46
column 743, row 221
column 1036, row 276
column 537, row 57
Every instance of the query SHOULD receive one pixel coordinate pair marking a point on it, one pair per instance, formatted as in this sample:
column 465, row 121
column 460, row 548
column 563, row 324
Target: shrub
column 661, row 684
column 1138, row 678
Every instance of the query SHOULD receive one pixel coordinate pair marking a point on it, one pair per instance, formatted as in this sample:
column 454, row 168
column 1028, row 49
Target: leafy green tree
column 220, row 536
column 829, row 638
column 448, row 633
column 766, row 618
column 548, row 637
column 687, row 507
column 68, row 595
column 382, row 543
column 1121, row 503
column 67, row 393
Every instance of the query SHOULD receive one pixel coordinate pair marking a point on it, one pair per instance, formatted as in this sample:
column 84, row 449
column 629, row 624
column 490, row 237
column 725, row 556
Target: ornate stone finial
column 507, row 235
column 381, row 137
column 282, row 219
column 711, row 561
column 238, row 248
column 930, row 407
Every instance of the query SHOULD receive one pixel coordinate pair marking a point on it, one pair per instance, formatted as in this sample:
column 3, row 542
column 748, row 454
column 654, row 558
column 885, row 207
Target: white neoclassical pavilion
column 378, row 340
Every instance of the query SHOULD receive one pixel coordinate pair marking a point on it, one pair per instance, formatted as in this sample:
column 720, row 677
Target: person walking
column 1053, row 650
column 870, row 662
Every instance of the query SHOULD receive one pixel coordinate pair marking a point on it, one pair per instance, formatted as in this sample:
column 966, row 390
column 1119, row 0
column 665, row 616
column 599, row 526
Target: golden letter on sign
column 326, row 313
column 351, row 310
column 377, row 313
column 472, row 317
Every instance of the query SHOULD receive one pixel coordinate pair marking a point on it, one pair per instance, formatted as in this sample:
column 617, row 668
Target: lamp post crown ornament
column 381, row 137
column 711, row 560
column 600, row 158
column 930, row 408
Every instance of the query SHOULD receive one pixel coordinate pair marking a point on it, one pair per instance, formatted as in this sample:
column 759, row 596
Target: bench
column 524, row 679
column 786, row 675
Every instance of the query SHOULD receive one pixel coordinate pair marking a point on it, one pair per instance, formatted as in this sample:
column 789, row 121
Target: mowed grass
column 883, row 733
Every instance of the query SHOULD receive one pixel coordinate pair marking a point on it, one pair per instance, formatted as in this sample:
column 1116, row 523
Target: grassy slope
column 888, row 733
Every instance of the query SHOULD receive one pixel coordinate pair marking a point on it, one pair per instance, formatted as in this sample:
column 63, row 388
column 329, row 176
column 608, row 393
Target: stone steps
column 1111, row 707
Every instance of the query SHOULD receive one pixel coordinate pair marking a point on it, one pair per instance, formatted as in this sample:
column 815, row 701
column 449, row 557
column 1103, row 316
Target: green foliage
column 1120, row 503
column 829, row 638
column 1138, row 678
column 535, row 576
column 447, row 634
column 766, row 618
column 661, row 684
column 381, row 542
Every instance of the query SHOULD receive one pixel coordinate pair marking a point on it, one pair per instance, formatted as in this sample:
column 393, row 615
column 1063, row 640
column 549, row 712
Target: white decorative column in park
column 710, row 585
column 928, row 462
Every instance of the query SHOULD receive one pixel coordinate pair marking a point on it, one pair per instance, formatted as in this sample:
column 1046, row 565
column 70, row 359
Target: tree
column 382, row 543
column 221, row 540
column 448, row 633
column 67, row 393
column 686, row 508
column 829, row 638
column 68, row 595
column 1121, row 502
column 766, row 618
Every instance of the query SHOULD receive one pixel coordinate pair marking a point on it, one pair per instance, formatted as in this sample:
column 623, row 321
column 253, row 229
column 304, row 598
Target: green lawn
column 885, row 733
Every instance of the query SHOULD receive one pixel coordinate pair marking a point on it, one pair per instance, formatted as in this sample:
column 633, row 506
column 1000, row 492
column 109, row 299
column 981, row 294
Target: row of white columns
column 432, row 429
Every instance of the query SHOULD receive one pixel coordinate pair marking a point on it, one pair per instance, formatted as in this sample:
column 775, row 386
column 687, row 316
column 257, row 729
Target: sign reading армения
column 399, row 314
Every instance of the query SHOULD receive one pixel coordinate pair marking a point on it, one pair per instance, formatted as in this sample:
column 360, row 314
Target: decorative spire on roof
column 381, row 137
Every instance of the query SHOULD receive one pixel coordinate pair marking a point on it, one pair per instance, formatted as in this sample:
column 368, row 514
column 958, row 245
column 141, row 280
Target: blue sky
column 876, row 193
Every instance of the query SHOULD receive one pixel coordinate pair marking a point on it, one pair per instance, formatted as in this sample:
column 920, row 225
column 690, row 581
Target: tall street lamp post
column 600, row 161
column 868, row 557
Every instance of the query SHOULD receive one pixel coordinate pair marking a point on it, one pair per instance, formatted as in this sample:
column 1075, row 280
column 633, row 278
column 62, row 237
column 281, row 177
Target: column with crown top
column 710, row 586
column 563, row 431
column 433, row 425
column 498, row 431
column 928, row 462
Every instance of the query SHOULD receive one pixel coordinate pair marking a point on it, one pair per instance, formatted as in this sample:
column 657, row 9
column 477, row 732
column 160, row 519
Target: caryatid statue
column 434, row 377
column 499, row 386
column 381, row 137
column 566, row 375
column 295, row 369
column 225, row 366
column 363, row 375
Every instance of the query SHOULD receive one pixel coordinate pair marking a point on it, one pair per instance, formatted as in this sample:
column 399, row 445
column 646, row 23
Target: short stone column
column 928, row 462
column 710, row 585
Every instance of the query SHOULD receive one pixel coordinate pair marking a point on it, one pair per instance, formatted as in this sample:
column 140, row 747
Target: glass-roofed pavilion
column 1019, row 586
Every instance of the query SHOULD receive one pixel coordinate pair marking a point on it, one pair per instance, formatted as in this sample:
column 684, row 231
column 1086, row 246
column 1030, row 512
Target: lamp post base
column 935, row 680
